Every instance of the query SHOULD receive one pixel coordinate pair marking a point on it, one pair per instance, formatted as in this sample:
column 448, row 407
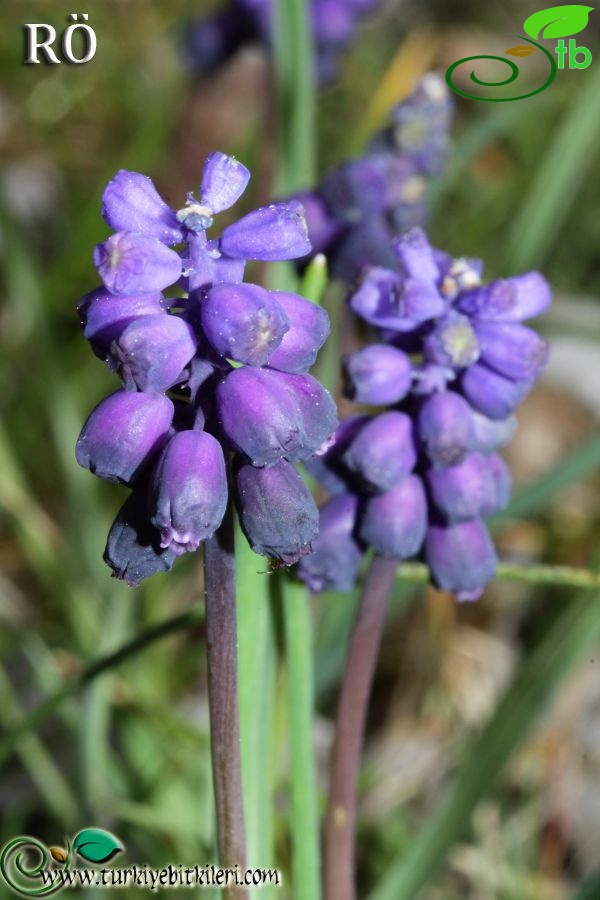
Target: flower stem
column 305, row 812
column 221, row 643
column 349, row 731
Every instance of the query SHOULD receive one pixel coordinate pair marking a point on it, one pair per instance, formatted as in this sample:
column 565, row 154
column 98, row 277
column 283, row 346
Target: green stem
column 556, row 576
column 305, row 813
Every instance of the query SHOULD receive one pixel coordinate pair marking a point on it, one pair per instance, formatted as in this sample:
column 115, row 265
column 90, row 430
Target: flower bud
column 337, row 554
column 224, row 180
column 389, row 300
column 416, row 255
column 243, row 322
column 277, row 512
column 317, row 413
column 378, row 375
column 452, row 342
column 188, row 491
column 152, row 352
column 269, row 415
column 491, row 434
column 366, row 187
column 461, row 557
column 383, row 452
column 511, row 350
column 332, row 22
column 135, row 264
column 394, row 523
column 360, row 247
column 492, row 394
column 502, row 482
column 308, row 331
column 464, row 491
column 104, row 316
column 131, row 203
column 133, row 549
column 275, row 232
column 508, row 300
column 123, row 434
column 326, row 463
column 323, row 228
column 445, row 426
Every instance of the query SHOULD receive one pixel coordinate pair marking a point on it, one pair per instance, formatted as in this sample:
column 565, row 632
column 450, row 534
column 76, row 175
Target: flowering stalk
column 221, row 648
column 349, row 731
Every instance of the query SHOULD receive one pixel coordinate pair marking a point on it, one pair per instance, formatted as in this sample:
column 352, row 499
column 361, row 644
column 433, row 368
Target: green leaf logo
column 557, row 21
column 96, row 845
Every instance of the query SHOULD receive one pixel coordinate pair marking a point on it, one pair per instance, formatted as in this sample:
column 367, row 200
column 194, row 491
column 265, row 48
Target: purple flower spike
column 243, row 322
column 131, row 203
column 465, row 491
column 277, row 512
column 388, row 300
column 309, row 329
column 445, row 427
column 123, row 434
column 275, row 232
column 135, row 264
column 224, row 180
column 461, row 557
column 512, row 350
column 152, row 352
column 394, row 523
column 378, row 375
column 452, row 343
column 492, row 394
column 336, row 555
column 104, row 316
column 383, row 452
column 268, row 415
column 188, row 491
column 133, row 549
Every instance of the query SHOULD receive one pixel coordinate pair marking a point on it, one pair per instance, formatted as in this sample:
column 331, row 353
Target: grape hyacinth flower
column 211, row 41
column 360, row 205
column 451, row 362
column 215, row 389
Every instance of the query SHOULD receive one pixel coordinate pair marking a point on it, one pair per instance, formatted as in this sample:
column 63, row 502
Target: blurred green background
column 458, row 689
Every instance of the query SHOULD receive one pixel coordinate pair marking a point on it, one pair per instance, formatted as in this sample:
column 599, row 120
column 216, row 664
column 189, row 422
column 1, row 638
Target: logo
column 33, row 870
column 555, row 22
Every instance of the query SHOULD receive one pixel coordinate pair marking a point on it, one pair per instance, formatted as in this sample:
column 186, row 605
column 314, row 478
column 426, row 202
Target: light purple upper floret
column 451, row 362
column 174, row 315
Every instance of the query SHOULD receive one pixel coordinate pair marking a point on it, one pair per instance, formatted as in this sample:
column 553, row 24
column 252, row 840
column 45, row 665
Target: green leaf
column 96, row 845
column 557, row 21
